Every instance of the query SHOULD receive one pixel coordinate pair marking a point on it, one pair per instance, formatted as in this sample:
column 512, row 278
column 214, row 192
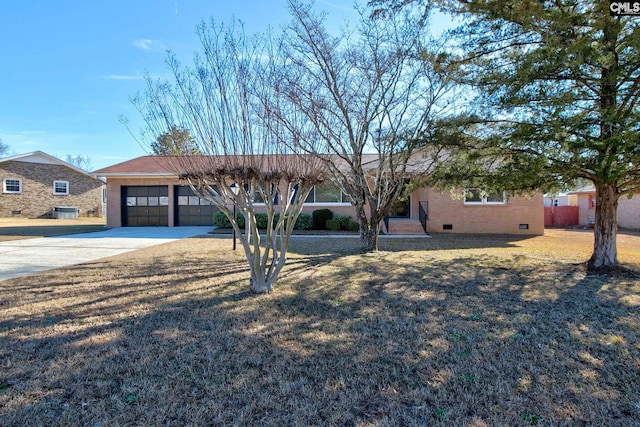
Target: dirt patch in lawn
column 453, row 330
column 24, row 228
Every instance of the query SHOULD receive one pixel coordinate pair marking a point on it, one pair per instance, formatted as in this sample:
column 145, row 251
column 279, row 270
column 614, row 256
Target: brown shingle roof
column 145, row 165
column 167, row 165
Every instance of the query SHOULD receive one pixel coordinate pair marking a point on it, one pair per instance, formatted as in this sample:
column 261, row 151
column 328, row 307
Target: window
column 11, row 185
column 472, row 195
column 326, row 193
column 475, row 196
column 61, row 187
column 258, row 198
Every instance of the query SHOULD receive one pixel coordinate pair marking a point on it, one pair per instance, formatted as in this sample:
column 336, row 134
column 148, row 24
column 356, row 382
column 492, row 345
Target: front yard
column 453, row 330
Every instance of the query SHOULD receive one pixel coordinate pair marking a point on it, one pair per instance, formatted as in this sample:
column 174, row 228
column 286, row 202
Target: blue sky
column 69, row 67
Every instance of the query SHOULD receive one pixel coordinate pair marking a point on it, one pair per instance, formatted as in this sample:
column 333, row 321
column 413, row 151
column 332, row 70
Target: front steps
column 408, row 226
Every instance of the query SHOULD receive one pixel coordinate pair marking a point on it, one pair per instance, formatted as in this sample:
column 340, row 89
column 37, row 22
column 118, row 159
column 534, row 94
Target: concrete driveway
column 23, row 257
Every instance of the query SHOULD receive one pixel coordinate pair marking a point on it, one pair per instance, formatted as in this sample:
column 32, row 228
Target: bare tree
column 245, row 160
column 4, row 148
column 369, row 96
column 80, row 161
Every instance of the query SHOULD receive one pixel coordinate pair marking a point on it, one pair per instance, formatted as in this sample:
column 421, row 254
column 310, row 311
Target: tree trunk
column 259, row 285
column 369, row 237
column 369, row 229
column 605, row 252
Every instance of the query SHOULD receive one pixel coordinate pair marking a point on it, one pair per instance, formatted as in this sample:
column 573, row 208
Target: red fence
column 561, row 216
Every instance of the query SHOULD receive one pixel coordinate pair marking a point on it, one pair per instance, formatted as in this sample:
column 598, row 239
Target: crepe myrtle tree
column 275, row 184
column 243, row 156
column 368, row 95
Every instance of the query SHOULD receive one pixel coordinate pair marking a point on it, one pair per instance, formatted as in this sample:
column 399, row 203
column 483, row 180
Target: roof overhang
column 41, row 157
column 149, row 175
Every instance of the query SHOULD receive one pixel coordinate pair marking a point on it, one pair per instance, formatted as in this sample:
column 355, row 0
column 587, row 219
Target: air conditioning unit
column 65, row 212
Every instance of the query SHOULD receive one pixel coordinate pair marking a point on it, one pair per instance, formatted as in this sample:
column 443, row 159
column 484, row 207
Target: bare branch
column 241, row 156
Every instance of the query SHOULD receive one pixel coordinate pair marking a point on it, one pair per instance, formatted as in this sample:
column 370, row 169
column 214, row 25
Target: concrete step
column 405, row 226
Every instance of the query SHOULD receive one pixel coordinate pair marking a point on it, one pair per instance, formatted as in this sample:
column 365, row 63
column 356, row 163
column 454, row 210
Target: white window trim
column 4, row 186
column 343, row 197
column 314, row 203
column 66, row 183
column 484, row 201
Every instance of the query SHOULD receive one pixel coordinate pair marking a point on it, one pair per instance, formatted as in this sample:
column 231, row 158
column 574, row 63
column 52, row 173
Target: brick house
column 35, row 184
column 147, row 191
column 628, row 208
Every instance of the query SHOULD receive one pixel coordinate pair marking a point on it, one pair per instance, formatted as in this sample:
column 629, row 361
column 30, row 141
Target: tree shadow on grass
column 350, row 244
column 346, row 246
column 503, row 345
column 349, row 340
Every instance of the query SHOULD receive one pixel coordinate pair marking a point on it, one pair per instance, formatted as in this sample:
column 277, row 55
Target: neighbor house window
column 61, row 188
column 11, row 185
column 476, row 196
column 326, row 193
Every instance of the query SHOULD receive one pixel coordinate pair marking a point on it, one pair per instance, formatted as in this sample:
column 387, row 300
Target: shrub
column 240, row 220
column 344, row 221
column 220, row 220
column 320, row 218
column 332, row 224
column 261, row 220
column 303, row 222
column 353, row 226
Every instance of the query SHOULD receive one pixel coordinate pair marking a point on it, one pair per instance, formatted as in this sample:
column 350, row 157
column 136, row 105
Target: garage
column 145, row 206
column 190, row 209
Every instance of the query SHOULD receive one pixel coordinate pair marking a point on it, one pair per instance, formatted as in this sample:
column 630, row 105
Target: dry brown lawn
column 452, row 331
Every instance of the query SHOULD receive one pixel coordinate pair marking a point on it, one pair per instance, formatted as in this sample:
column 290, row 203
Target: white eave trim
column 43, row 158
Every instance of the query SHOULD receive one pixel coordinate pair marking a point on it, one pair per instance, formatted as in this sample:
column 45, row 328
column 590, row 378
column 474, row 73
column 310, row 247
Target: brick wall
column 587, row 215
column 443, row 209
column 629, row 212
column 37, row 199
column 500, row 219
column 341, row 209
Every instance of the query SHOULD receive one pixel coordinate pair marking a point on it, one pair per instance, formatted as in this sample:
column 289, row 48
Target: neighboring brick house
column 629, row 212
column 34, row 184
column 628, row 208
column 146, row 191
